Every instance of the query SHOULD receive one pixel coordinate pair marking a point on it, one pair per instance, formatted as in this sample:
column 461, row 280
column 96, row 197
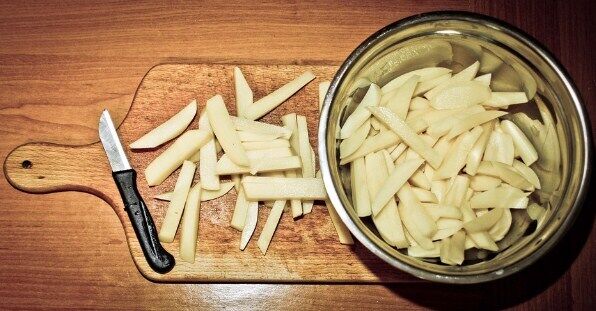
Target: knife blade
column 126, row 180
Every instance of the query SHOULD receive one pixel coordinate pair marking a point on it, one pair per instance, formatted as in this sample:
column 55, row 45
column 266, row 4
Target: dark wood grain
column 61, row 61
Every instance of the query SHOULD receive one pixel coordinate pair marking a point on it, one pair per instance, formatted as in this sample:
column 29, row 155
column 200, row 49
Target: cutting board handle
column 44, row 168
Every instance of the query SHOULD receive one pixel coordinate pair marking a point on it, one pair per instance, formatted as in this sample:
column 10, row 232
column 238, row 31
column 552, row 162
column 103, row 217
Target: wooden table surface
column 61, row 62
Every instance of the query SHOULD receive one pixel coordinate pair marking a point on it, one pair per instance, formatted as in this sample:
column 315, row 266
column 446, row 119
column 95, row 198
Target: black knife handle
column 158, row 258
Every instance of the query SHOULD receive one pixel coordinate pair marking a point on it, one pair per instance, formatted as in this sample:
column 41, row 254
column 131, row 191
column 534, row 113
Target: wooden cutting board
column 305, row 250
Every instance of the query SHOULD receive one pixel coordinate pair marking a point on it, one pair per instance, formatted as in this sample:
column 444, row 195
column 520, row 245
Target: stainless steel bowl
column 535, row 70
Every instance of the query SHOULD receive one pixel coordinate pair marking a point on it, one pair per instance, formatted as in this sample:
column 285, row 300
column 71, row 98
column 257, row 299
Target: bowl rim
column 517, row 34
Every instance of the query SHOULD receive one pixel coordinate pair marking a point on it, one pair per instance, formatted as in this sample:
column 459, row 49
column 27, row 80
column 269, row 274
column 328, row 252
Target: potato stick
column 252, row 214
column 527, row 173
column 439, row 188
column 270, row 225
column 398, row 177
column 245, row 125
column 499, row 148
column 481, row 239
column 168, row 161
column 195, row 158
column 295, row 204
column 344, row 235
column 291, row 124
column 307, row 205
column 224, row 130
column 456, row 158
column 425, row 196
column 206, row 195
column 264, row 105
column 190, row 225
column 227, row 167
column 484, row 79
column 323, row 88
column 409, row 223
column 437, row 211
column 387, row 221
column 388, row 161
column 484, row 222
column 426, row 86
column 304, row 146
column 475, row 155
column 240, row 211
column 349, row 145
column 417, row 251
column 500, row 229
column 416, row 214
column 176, row 206
column 445, row 252
column 258, row 145
column 398, row 151
column 474, row 120
column 424, row 74
column 244, row 95
column 465, row 75
column 445, row 233
column 418, row 179
column 167, row 130
column 456, row 193
column 419, row 103
column 271, row 188
column 361, row 113
column 413, row 114
column 407, row 134
column 484, row 183
column 399, row 102
column 461, row 95
column 535, row 211
column 251, row 137
column 501, row 99
column 429, row 172
column 443, row 125
column 457, row 247
column 522, row 144
column 208, row 156
column 501, row 197
column 360, row 195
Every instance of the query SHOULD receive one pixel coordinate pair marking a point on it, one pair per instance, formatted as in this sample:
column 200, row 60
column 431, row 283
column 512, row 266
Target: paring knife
column 126, row 180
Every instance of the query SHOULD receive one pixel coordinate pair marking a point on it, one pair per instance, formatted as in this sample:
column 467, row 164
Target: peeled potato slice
column 259, row 145
column 457, row 247
column 446, row 232
column 527, row 173
column 208, row 159
column 387, row 221
column 416, row 214
column 419, row 103
column 500, row 197
column 506, row 173
column 484, row 79
column 274, row 188
column 223, row 128
column 458, row 154
column 474, row 120
column 167, row 130
column 190, row 225
column 424, row 74
column 361, row 113
column 502, row 99
column 407, row 134
column 465, row 75
column 456, row 193
column 425, row 196
column 482, row 239
column 418, row 251
column 461, row 95
column 270, row 225
column 323, row 88
column 252, row 214
column 500, row 229
column 252, row 137
column 240, row 211
column 398, row 151
column 206, row 195
column 381, row 141
column 437, row 211
column 439, row 188
column 227, row 167
column 290, row 122
column 475, row 155
column 484, row 222
column 442, row 126
column 244, row 95
column 428, row 85
column 398, row 177
column 168, row 161
column 484, row 183
column 400, row 99
column 360, row 195
column 245, row 125
column 522, row 144
column 499, row 148
column 535, row 211
column 176, row 206
column 264, row 105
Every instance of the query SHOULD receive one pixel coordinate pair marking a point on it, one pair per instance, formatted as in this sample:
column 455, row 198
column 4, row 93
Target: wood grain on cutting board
column 305, row 250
